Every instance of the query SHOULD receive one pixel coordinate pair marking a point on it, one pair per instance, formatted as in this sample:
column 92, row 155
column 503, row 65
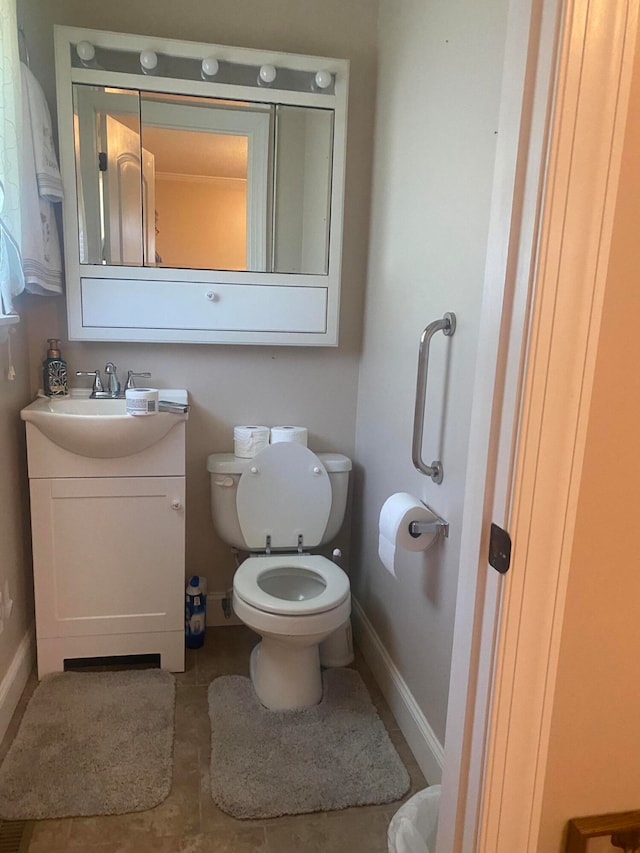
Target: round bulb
column 268, row 73
column 210, row 66
column 323, row 79
column 148, row 60
column 85, row 50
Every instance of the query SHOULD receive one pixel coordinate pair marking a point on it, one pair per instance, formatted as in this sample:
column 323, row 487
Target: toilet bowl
column 294, row 603
column 277, row 506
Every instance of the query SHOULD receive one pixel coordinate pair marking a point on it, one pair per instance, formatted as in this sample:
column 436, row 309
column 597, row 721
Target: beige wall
column 202, row 221
column 440, row 71
column 234, row 385
column 594, row 760
column 15, row 553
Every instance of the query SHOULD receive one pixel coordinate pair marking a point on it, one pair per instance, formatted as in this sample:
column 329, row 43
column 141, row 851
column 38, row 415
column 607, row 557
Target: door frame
column 550, row 236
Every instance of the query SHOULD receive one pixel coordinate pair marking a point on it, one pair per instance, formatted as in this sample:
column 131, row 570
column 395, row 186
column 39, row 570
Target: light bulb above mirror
column 267, row 74
column 86, row 51
column 148, row 60
column 323, row 79
column 210, row 66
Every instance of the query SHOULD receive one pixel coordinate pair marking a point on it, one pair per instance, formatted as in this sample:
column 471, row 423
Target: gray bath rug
column 332, row 756
column 91, row 744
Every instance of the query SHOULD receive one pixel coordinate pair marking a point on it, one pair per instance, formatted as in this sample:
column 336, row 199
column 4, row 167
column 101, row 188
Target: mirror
column 203, row 190
column 201, row 183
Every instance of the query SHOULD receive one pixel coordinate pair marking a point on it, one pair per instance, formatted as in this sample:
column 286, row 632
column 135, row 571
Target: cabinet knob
column 176, row 504
column 212, row 295
column 317, row 470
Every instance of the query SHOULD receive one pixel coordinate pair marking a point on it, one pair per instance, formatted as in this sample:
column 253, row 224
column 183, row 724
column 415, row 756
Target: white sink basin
column 100, row 429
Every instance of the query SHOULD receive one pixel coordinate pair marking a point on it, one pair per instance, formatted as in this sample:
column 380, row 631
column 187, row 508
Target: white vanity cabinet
column 108, row 551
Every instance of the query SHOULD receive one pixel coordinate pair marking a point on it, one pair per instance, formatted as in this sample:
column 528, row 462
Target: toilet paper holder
column 437, row 525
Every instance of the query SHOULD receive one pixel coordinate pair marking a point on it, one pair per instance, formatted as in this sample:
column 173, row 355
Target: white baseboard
column 215, row 613
column 413, row 724
column 13, row 683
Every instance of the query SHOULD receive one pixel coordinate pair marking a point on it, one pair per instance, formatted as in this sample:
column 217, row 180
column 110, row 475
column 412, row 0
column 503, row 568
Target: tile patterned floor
column 189, row 821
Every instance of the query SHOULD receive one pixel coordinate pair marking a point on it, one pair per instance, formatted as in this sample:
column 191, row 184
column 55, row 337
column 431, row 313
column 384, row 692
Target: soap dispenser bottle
column 54, row 371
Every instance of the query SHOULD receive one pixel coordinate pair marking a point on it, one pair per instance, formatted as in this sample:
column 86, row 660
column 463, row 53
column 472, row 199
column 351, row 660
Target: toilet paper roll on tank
column 397, row 513
column 289, row 433
column 249, row 440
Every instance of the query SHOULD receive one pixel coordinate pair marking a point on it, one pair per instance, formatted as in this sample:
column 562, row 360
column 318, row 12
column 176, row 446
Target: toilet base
column 337, row 649
column 286, row 677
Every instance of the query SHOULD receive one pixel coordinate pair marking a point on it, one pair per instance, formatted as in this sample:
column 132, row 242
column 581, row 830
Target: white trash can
column 414, row 826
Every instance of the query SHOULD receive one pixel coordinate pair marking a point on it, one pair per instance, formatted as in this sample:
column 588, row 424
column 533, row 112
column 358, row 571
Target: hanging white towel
column 11, row 277
column 42, row 187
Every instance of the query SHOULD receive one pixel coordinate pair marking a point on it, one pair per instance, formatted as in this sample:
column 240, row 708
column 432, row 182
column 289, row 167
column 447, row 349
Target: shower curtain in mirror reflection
column 11, row 275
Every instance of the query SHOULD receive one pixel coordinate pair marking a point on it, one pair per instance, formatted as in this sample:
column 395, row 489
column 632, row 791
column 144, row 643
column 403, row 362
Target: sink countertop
column 176, row 395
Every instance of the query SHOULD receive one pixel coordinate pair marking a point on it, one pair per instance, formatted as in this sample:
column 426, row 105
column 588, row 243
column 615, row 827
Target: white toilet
column 278, row 506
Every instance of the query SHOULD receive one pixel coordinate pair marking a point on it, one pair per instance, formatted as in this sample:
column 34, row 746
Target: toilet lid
column 284, row 493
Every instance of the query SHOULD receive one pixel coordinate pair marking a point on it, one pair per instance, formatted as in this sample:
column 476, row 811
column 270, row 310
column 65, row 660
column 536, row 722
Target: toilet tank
column 225, row 471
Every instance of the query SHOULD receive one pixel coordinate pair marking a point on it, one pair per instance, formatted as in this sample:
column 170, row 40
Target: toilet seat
column 328, row 589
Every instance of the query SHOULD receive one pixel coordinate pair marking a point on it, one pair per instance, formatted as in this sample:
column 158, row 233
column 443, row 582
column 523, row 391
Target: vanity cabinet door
column 108, row 555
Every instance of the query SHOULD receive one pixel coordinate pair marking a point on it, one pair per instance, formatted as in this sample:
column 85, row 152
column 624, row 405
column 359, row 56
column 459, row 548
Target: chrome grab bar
column 447, row 325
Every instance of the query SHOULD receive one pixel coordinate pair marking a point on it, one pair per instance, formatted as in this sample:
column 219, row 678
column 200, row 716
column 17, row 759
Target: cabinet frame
column 320, row 326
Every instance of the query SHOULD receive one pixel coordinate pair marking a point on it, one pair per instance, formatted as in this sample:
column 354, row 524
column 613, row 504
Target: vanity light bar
column 86, row 55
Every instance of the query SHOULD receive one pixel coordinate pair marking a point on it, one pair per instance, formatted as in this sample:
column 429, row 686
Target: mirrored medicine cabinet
column 204, row 190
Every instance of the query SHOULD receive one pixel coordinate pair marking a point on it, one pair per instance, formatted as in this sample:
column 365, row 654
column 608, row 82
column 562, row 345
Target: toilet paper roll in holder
column 436, row 525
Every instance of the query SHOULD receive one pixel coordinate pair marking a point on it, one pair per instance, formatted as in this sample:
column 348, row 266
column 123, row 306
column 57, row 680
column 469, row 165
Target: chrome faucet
column 114, row 389
column 131, row 375
column 113, row 383
column 98, row 387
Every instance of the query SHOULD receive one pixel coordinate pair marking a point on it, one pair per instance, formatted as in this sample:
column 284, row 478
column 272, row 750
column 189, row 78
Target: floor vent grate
column 15, row 836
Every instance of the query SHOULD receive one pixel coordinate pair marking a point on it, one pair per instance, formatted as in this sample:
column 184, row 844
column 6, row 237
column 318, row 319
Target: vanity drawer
column 135, row 304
